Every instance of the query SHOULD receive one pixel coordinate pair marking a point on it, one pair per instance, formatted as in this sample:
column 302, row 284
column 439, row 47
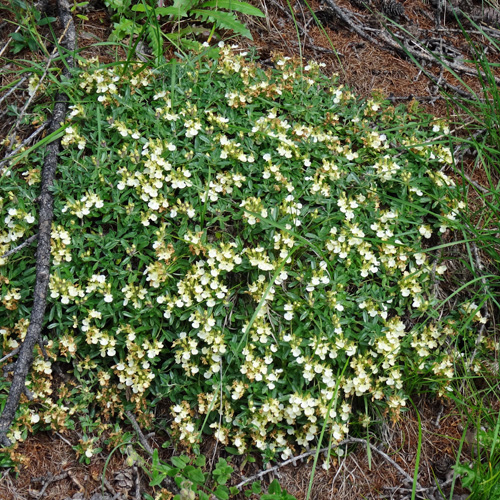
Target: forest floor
column 50, row 469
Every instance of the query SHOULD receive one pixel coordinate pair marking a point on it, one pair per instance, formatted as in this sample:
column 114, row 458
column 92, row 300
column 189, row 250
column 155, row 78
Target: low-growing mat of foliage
column 250, row 243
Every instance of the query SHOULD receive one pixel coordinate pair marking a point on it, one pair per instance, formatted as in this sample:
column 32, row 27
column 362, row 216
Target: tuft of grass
column 476, row 165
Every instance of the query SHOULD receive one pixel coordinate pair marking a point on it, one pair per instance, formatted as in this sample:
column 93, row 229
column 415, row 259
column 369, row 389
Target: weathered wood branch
column 25, row 358
column 25, row 243
column 347, row 441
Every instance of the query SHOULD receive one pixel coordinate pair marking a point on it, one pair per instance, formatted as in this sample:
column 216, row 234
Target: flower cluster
column 255, row 254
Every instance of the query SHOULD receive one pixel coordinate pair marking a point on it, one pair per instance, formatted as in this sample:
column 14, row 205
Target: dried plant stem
column 137, row 483
column 26, row 141
column 64, row 439
column 323, row 450
column 11, row 353
column 25, row 243
column 13, row 89
column 7, row 43
column 486, row 313
column 139, row 432
column 282, row 464
column 170, row 483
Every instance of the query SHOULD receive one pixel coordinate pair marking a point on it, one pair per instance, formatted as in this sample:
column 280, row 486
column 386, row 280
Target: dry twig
column 46, row 482
column 139, row 432
column 386, row 457
column 7, row 43
column 13, row 89
column 11, row 353
column 26, row 141
column 142, row 439
column 486, row 315
column 25, row 243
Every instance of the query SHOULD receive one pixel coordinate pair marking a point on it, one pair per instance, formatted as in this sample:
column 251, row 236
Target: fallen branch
column 25, row 243
column 169, row 482
column 25, row 359
column 344, row 16
column 26, row 141
column 46, row 482
column 139, row 432
column 424, row 55
column 389, row 41
column 323, row 450
column 282, row 464
column 11, row 353
column 13, row 89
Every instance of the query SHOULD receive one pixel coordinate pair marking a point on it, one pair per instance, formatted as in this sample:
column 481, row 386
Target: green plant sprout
column 28, row 20
column 194, row 484
column 180, row 15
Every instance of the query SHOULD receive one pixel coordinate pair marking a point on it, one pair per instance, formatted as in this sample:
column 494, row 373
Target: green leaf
column 18, row 37
column 221, row 493
column 196, row 476
column 157, row 479
column 141, row 8
column 243, row 7
column 46, row 20
column 275, row 487
column 256, row 488
column 225, row 20
column 200, row 461
column 180, row 462
column 168, row 11
column 184, row 6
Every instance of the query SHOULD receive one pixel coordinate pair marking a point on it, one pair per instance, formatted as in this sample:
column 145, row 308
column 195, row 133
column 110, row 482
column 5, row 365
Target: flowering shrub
column 231, row 237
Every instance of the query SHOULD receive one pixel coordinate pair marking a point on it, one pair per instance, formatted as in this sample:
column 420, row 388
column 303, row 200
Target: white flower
column 441, row 269
column 425, row 231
